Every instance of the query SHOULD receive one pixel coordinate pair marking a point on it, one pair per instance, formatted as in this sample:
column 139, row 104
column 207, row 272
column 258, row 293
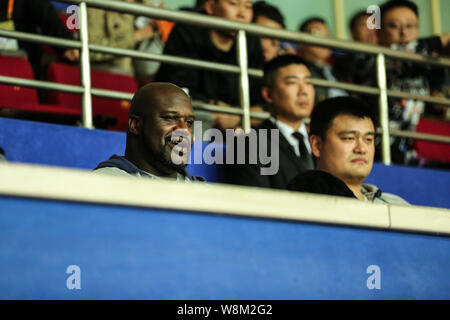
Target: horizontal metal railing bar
column 38, row 38
column 39, row 84
column 405, row 95
column 211, row 65
column 416, row 135
column 419, row 136
column 220, row 23
column 48, row 85
column 175, row 60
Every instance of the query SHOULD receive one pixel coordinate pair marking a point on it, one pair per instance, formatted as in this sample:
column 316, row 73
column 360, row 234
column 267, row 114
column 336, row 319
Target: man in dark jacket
column 159, row 135
column 37, row 17
column 289, row 91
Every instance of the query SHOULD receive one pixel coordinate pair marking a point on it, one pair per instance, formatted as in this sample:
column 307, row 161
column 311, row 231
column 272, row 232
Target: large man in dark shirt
column 218, row 46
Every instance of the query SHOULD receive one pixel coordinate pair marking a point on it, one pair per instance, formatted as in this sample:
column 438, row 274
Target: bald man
column 159, row 135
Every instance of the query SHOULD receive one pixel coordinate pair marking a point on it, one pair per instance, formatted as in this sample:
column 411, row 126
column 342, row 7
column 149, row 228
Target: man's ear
column 209, row 7
column 135, row 125
column 316, row 145
column 265, row 92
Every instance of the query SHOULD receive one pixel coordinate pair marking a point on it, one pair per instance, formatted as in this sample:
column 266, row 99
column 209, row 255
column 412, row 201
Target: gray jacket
column 374, row 194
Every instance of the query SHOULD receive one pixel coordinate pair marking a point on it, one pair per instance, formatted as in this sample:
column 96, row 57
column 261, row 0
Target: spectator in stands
column 35, row 17
column 319, row 58
column 342, row 141
column 399, row 30
column 114, row 29
column 218, row 46
column 359, row 29
column 159, row 135
column 290, row 93
column 268, row 16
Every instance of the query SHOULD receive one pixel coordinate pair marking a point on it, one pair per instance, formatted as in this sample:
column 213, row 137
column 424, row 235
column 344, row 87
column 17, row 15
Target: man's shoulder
column 374, row 194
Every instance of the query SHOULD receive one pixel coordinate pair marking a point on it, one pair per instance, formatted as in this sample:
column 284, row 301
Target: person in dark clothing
column 37, row 17
column 342, row 141
column 218, row 46
column 290, row 93
column 399, row 31
column 159, row 135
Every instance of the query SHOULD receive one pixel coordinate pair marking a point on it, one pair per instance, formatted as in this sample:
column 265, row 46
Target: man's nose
column 360, row 146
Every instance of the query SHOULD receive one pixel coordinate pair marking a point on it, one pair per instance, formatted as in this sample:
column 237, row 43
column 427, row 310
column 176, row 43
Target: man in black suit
column 289, row 91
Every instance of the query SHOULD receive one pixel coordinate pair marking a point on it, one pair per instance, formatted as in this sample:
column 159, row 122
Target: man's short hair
column 385, row 7
column 325, row 111
column 355, row 18
column 261, row 8
column 271, row 67
column 304, row 26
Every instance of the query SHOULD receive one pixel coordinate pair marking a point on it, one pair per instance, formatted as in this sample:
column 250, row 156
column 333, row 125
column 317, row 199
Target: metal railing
column 241, row 69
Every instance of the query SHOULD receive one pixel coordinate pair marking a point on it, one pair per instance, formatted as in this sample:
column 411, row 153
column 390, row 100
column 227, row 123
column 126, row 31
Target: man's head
column 235, row 10
column 360, row 31
column 318, row 27
column 160, row 127
column 269, row 16
column 342, row 135
column 399, row 23
column 288, row 89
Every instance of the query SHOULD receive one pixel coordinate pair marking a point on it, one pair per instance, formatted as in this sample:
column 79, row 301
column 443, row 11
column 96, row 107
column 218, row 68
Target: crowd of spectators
column 399, row 31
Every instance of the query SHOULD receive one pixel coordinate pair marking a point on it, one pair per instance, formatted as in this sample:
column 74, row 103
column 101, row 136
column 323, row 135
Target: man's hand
column 72, row 55
column 225, row 121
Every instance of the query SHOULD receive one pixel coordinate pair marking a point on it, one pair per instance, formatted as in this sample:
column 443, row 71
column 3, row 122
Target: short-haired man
column 319, row 58
column 400, row 31
column 159, row 135
column 267, row 15
column 218, row 46
column 289, row 91
column 360, row 31
column 342, row 135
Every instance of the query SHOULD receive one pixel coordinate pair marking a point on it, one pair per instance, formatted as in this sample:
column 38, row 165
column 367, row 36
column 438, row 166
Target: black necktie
column 305, row 157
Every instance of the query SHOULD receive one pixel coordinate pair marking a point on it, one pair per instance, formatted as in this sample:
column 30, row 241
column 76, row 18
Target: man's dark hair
column 261, row 8
column 355, row 18
column 271, row 67
column 385, row 7
column 325, row 111
column 306, row 23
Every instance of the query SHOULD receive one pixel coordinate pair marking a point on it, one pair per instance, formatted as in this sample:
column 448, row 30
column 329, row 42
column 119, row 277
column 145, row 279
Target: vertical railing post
column 244, row 87
column 383, row 109
column 85, row 69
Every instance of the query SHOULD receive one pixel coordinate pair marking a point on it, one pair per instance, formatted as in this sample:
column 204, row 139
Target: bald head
column 155, row 95
column 161, row 120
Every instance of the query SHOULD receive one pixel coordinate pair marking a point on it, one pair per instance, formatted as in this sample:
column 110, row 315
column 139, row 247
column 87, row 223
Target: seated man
column 400, row 31
column 319, row 58
column 342, row 141
column 267, row 15
column 289, row 91
column 159, row 135
column 218, row 46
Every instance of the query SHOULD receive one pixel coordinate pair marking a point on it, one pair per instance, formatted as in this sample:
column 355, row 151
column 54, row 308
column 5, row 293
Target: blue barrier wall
column 58, row 145
column 133, row 253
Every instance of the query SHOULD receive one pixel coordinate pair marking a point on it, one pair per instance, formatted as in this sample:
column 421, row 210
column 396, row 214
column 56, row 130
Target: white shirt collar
column 287, row 132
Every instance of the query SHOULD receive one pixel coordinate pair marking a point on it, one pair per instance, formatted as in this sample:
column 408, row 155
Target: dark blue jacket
column 125, row 165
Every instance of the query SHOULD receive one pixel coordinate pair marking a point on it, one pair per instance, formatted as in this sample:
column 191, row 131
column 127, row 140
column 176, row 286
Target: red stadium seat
column 21, row 98
column 433, row 150
column 68, row 74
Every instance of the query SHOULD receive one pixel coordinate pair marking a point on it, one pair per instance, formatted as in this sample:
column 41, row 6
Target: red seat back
column 68, row 74
column 11, row 96
column 433, row 150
